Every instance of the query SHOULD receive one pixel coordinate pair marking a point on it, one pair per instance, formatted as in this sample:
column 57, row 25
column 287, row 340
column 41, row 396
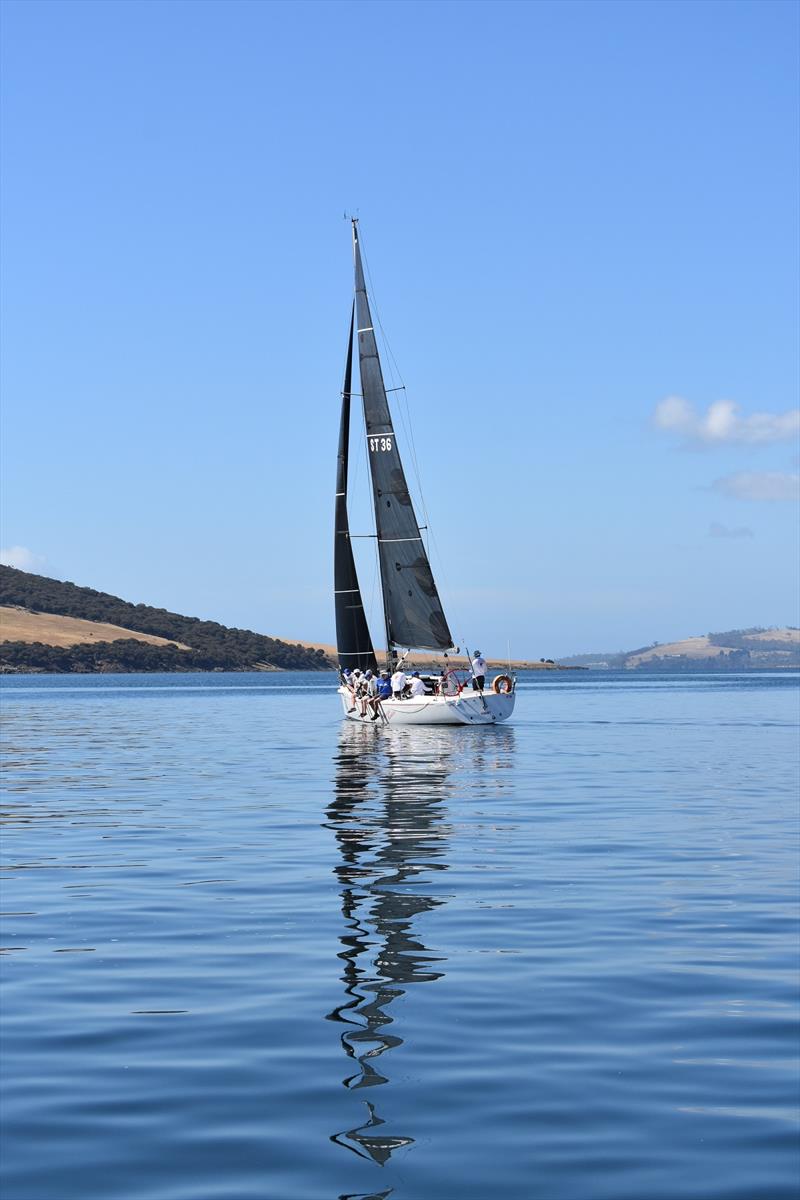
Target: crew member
column 399, row 682
column 417, row 687
column 372, row 694
column 349, row 683
column 478, row 671
column 362, row 682
column 384, row 686
column 447, row 684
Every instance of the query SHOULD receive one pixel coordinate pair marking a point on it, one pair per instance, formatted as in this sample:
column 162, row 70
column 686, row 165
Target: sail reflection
column 388, row 816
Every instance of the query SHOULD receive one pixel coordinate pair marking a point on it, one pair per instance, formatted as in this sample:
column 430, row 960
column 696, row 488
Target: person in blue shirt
column 381, row 690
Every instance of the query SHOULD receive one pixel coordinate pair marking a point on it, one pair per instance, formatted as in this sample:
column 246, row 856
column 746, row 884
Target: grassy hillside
column 753, row 649
column 22, row 625
column 211, row 646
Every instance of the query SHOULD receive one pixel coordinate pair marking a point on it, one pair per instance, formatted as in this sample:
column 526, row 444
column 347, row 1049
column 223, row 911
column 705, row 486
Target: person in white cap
column 478, row 672
column 358, row 690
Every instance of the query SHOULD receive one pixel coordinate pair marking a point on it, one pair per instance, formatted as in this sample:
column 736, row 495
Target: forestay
column 414, row 615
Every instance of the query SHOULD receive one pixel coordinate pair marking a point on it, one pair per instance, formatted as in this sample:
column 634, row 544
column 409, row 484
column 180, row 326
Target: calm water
column 253, row 954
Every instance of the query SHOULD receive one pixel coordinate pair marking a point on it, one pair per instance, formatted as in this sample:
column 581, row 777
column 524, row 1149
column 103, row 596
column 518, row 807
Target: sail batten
column 413, row 610
column 353, row 641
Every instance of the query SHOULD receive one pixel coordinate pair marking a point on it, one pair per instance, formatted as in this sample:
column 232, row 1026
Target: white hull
column 466, row 709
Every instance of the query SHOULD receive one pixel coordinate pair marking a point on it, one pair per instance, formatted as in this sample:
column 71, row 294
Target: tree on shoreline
column 212, row 646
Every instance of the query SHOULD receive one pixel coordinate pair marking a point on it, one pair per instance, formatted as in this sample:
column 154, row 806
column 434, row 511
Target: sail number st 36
column 380, row 443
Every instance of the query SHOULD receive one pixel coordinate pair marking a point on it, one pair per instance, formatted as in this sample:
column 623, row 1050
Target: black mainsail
column 412, row 608
column 353, row 641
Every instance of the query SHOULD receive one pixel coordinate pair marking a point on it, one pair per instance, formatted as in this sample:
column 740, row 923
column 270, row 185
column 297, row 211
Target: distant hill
column 753, row 649
column 49, row 625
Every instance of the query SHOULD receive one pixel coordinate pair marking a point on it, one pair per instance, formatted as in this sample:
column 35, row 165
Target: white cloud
column 759, row 485
column 21, row 557
column 723, row 531
column 722, row 425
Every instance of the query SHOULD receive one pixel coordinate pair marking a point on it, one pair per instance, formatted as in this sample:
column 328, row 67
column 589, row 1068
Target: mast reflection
column 388, row 817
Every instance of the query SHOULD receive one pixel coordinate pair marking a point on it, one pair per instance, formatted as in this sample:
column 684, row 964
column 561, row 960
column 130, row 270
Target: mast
column 412, row 609
column 353, row 641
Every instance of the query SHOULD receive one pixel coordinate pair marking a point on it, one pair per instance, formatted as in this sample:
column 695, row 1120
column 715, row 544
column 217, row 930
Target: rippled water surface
column 254, row 954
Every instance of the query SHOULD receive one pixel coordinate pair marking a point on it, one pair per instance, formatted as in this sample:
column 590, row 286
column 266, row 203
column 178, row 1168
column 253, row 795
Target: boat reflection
column 392, row 796
column 389, row 818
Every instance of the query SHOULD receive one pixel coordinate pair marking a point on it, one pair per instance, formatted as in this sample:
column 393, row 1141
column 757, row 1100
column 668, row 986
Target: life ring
column 502, row 683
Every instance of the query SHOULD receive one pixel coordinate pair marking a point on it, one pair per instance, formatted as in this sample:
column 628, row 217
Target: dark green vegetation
column 213, row 646
column 742, row 639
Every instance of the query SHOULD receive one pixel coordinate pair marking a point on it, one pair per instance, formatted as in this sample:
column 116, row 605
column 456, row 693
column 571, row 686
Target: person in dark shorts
column 478, row 671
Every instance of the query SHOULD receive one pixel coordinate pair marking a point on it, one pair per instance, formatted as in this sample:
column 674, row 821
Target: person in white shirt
column 446, row 684
column 347, row 680
column 478, row 672
column 399, row 682
column 362, row 691
column 372, row 694
column 417, row 686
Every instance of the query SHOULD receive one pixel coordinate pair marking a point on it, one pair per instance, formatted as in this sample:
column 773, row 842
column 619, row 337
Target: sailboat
column 413, row 614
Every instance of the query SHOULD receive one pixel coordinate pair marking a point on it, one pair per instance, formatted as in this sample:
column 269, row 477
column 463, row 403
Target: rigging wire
column 394, row 374
column 408, row 429
column 394, row 371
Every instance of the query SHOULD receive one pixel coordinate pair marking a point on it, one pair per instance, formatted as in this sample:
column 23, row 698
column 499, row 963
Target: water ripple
column 252, row 954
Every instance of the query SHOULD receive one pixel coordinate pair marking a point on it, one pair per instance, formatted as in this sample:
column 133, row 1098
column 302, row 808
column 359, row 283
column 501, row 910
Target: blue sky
column 581, row 226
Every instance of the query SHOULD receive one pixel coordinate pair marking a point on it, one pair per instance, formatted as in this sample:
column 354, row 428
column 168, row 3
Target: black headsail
column 353, row 641
column 412, row 607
